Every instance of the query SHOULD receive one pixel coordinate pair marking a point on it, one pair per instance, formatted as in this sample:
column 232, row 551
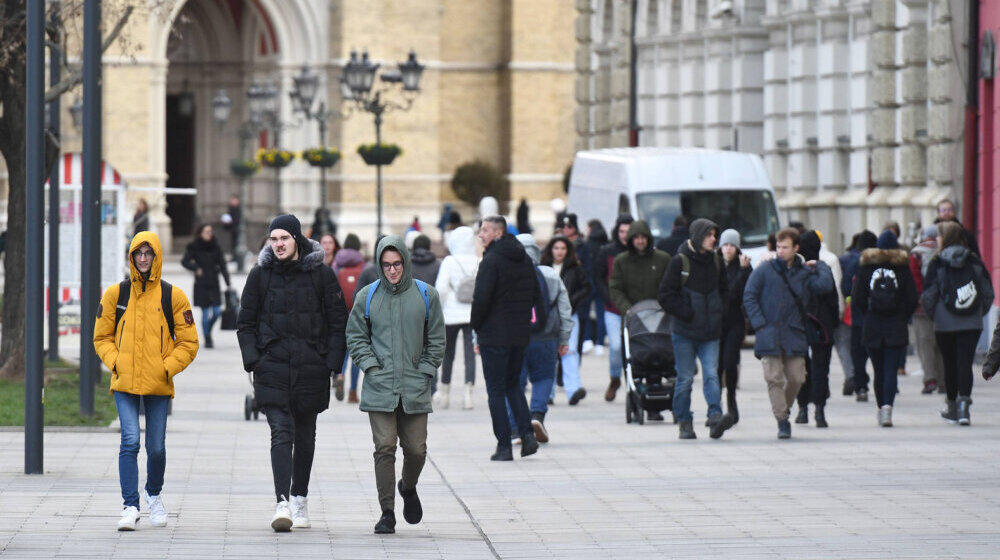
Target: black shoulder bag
column 816, row 333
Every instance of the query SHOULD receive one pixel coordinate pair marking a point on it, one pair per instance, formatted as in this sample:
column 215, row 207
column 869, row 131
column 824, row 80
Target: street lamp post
column 356, row 86
column 306, row 87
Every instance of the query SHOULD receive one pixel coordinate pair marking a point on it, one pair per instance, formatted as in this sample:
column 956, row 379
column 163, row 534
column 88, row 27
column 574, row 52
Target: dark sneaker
column 503, row 454
column 386, row 524
column 784, row 429
column 721, row 426
column 821, row 417
column 654, row 416
column 848, row 388
column 577, row 396
column 613, row 386
column 687, row 430
column 963, row 411
column 862, row 395
column 929, row 388
column 338, row 385
column 803, row 416
column 413, row 512
column 529, row 444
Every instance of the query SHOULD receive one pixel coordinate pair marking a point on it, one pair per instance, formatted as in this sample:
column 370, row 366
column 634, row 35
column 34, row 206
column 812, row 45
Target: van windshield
column 752, row 213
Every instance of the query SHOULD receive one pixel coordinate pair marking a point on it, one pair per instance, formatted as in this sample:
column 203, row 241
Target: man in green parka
column 396, row 335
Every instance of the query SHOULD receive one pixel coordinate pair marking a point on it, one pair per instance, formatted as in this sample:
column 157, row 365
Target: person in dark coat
column 523, row 222
column 560, row 254
column 425, row 264
column 826, row 308
column 506, row 290
column 235, row 211
column 204, row 256
column 594, row 333
column 323, row 224
column 678, row 235
column 603, row 265
column 849, row 265
column 291, row 330
column 885, row 289
column 946, row 213
column 738, row 271
column 140, row 220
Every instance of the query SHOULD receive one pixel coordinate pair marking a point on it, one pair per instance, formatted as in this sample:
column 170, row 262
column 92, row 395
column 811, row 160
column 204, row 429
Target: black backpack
column 958, row 289
column 883, row 296
column 166, row 303
column 540, row 312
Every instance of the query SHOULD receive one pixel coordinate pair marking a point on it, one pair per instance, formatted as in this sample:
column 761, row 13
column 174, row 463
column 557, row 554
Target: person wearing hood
column 291, row 334
column 560, row 255
column 323, row 224
column 826, row 309
column 850, row 263
column 678, row 235
column 885, row 289
column 612, row 317
column 457, row 271
column 635, row 276
column 506, row 290
column 523, row 222
column 738, row 271
column 144, row 346
column 425, row 263
column 547, row 344
column 958, row 292
column 204, row 256
column 396, row 336
column 351, row 269
column 692, row 292
column 772, row 301
column 593, row 336
column 923, row 327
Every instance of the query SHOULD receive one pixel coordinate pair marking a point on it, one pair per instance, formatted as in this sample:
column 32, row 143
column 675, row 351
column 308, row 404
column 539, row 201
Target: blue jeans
column 502, row 372
column 595, row 329
column 540, row 359
column 685, row 351
column 613, row 322
column 156, row 452
column 570, row 363
column 208, row 318
column 355, row 372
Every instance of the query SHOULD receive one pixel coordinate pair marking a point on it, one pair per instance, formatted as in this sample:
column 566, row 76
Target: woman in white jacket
column 454, row 284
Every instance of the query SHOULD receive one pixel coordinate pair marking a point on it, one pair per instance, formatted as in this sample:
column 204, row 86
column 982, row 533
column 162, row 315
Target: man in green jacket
column 635, row 276
column 396, row 336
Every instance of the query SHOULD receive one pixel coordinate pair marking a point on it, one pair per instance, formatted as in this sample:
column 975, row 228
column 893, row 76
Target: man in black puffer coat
column 506, row 290
column 291, row 332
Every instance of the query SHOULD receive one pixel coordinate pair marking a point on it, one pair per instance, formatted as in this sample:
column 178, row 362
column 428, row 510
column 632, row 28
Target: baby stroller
column 250, row 407
column 648, row 355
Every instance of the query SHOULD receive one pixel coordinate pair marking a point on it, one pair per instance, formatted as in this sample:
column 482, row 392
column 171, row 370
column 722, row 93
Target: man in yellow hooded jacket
column 144, row 356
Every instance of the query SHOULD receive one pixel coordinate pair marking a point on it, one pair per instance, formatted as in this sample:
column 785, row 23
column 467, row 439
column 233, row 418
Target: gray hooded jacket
column 955, row 256
column 555, row 284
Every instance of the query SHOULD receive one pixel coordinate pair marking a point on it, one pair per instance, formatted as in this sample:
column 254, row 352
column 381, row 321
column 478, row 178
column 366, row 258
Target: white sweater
column 461, row 262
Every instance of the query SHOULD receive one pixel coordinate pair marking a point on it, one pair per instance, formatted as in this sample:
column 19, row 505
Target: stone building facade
column 498, row 87
column 856, row 106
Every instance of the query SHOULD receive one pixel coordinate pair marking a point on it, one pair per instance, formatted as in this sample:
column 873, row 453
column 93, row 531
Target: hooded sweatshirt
column 460, row 264
column 562, row 311
column 636, row 275
column 955, row 257
column 506, row 289
column 696, row 305
column 142, row 357
column 425, row 265
column 604, row 262
column 406, row 345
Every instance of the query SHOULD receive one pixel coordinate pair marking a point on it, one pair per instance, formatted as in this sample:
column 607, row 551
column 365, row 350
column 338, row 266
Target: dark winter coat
column 736, row 276
column 771, row 307
column 695, row 305
column 291, row 330
column 944, row 320
column 880, row 328
column 603, row 263
column 577, row 284
column 368, row 275
column 636, row 276
column 672, row 243
column 506, row 289
column 207, row 257
column 425, row 265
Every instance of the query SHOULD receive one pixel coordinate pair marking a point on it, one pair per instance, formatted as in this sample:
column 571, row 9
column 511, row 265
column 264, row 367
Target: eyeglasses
column 390, row 265
column 144, row 254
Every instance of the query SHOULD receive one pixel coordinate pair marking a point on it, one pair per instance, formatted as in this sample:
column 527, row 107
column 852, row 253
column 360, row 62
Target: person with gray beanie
column 738, row 271
column 925, row 342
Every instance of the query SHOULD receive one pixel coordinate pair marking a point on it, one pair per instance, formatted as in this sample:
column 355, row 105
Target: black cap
column 569, row 220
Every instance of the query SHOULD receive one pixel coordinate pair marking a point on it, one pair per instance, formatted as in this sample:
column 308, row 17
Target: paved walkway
column 600, row 489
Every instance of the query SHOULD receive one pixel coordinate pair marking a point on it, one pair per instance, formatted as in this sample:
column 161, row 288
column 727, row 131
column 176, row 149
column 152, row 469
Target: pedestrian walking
column 842, row 334
column 859, row 354
column 330, row 248
column 773, row 302
column 825, row 308
column 456, row 283
column 946, row 213
column 145, row 335
column 323, row 224
column 593, row 307
column 612, row 316
column 885, row 289
column 523, row 220
column 738, row 271
column 692, row 292
column 957, row 294
column 291, row 334
column 992, row 361
column 560, row 255
column 396, row 336
column 928, row 352
column 425, row 263
column 204, row 256
column 635, row 276
column 350, row 267
column 571, row 231
column 678, row 235
column 549, row 339
column 505, row 294
column 235, row 213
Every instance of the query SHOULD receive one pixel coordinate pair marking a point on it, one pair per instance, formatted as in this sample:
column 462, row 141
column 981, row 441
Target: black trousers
column 859, row 355
column 293, row 443
column 958, row 349
column 729, row 361
column 816, row 389
column 450, row 342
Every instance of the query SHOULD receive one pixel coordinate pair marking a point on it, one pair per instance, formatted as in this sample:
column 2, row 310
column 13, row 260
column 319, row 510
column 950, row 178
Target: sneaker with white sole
column 129, row 520
column 588, row 346
column 157, row 513
column 300, row 512
column 598, row 350
column 282, row 520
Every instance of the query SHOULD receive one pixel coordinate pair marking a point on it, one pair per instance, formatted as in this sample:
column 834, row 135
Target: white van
column 658, row 184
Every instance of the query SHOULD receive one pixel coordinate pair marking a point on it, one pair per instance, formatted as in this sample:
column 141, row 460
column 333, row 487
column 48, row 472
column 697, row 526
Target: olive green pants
column 411, row 432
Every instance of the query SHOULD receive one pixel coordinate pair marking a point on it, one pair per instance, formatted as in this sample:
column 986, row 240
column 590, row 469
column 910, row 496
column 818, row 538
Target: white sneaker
column 885, row 416
column 588, row 346
column 157, row 513
column 282, row 520
column 300, row 512
column 441, row 397
column 467, row 405
column 598, row 350
column 129, row 520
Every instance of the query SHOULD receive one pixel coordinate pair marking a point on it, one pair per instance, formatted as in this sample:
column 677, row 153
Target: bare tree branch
column 76, row 77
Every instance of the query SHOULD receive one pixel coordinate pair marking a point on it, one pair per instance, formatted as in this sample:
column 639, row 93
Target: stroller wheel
column 246, row 408
column 628, row 408
column 639, row 413
column 256, row 414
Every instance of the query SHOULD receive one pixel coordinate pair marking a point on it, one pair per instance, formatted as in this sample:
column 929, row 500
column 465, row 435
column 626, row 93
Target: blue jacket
column 772, row 310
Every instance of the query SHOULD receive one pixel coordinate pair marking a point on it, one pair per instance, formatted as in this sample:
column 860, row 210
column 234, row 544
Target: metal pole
column 91, row 247
column 34, row 407
column 322, row 144
column 378, row 168
column 55, row 74
column 277, row 171
column 241, row 227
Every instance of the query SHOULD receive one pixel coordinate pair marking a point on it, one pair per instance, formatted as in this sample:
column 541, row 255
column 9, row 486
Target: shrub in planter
column 379, row 154
column 321, row 157
column 243, row 167
column 275, row 157
column 472, row 181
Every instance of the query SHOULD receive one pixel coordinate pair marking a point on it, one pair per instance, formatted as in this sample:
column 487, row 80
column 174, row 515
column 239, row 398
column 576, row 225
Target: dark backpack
column 883, row 296
column 540, row 311
column 166, row 303
column 958, row 288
